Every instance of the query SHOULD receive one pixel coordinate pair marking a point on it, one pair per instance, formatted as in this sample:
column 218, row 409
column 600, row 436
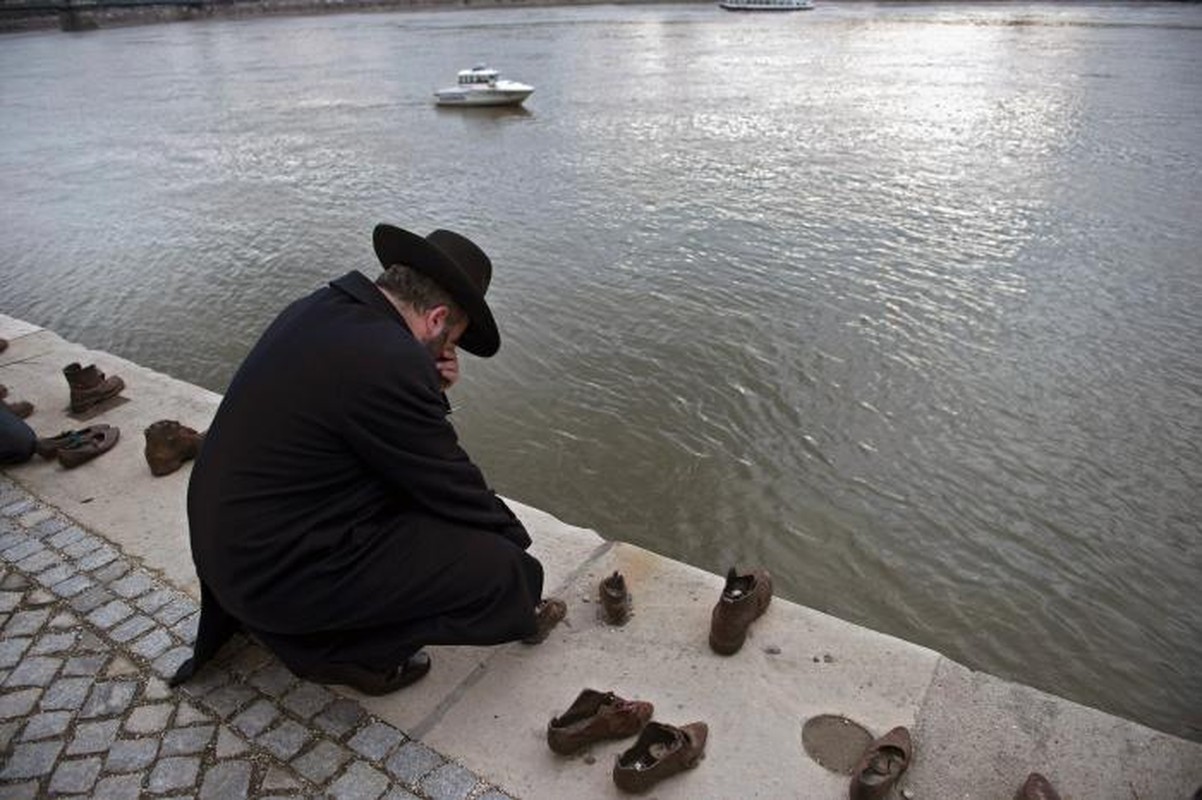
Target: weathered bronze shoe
column 743, row 600
column 1036, row 787
column 661, row 751
column 881, row 765
column 547, row 614
column 87, row 444
column 22, row 408
column 89, row 386
column 169, row 444
column 48, row 446
column 595, row 716
column 615, row 600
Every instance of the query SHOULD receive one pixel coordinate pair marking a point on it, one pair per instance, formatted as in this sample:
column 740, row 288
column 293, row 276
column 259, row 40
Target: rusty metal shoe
column 89, row 443
column 169, row 444
column 1036, row 787
column 21, row 408
column 615, row 600
column 547, row 614
column 661, row 751
column 90, row 386
column 743, row 600
column 881, row 765
column 47, row 447
column 595, row 716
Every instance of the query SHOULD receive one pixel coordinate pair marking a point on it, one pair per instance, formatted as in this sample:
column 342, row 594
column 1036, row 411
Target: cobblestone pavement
column 87, row 637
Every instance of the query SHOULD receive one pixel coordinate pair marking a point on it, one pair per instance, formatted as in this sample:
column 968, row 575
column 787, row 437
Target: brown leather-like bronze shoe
column 615, row 600
column 169, row 444
column 87, row 444
column 549, row 613
column 743, row 600
column 1036, row 787
column 661, row 751
column 595, row 716
column 90, row 386
column 21, row 408
column 881, row 765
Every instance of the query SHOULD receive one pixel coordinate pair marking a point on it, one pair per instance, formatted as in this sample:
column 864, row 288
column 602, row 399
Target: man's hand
column 448, row 367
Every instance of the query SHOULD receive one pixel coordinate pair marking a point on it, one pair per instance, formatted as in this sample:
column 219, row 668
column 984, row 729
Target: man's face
column 441, row 338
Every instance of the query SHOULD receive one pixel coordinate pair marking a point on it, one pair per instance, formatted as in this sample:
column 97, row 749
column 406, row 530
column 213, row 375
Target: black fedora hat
column 456, row 264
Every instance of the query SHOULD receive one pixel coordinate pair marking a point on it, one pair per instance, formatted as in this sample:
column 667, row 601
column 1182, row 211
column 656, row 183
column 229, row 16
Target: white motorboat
column 483, row 86
column 766, row 5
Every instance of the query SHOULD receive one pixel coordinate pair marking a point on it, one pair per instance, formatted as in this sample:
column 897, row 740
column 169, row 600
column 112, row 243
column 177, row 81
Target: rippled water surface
column 902, row 301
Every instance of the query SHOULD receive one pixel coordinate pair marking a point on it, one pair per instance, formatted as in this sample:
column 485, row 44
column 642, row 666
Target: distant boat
column 766, row 5
column 482, row 86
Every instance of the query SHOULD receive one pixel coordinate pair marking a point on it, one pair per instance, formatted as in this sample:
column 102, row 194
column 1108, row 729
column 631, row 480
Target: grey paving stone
column 54, row 643
column 19, row 507
column 277, row 780
column 97, row 558
column 25, row 623
column 273, row 680
column 307, row 700
column 360, row 782
column 285, row 740
column 412, row 762
column 45, row 725
column 55, row 574
column 207, row 680
column 32, row 517
column 8, row 732
column 9, row 601
column 340, row 717
column 255, row 719
column 90, row 599
column 112, row 571
column 92, row 643
column 228, row 780
column 131, row 755
column 66, row 694
column 398, row 793
column 133, row 585
column 449, row 782
column 118, row 787
column 226, row 700
column 81, row 545
column 186, row 628
column 75, row 777
column 49, row 526
column 39, row 562
column 63, row 619
column 31, row 760
column 11, row 538
column 156, row 689
column 188, row 714
column 35, row 671
column 93, row 737
column 149, row 719
column 109, row 614
column 85, row 665
column 376, row 741
column 23, row 549
column 109, row 698
column 167, row 664
column 131, row 628
column 176, row 610
column 66, row 536
column 38, row 598
column 494, row 794
column 21, row 791
column 170, row 774
column 11, row 650
column 153, row 644
column 73, row 586
column 186, row 741
column 322, row 761
column 229, row 743
column 154, row 600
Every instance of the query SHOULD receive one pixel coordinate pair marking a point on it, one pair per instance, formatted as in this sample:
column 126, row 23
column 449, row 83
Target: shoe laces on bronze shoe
column 661, row 751
column 744, row 599
column 595, row 716
column 547, row 614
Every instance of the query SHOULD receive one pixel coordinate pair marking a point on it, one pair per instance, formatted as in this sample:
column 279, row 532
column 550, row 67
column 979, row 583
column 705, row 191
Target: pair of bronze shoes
column 661, row 750
column 76, row 447
column 745, row 597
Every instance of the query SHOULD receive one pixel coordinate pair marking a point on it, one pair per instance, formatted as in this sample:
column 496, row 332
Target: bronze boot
column 744, row 598
column 169, row 444
column 89, row 386
column 615, row 600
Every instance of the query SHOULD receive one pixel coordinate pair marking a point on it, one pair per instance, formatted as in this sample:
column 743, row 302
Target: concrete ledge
column 976, row 736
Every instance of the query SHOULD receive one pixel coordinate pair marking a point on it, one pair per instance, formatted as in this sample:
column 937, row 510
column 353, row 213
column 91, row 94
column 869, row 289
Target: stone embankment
column 98, row 605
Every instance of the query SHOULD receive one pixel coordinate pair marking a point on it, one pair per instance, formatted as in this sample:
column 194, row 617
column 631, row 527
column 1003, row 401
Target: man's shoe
column 169, row 444
column 595, row 716
column 22, row 408
column 660, row 752
column 615, row 600
column 881, row 765
column 91, row 442
column 547, row 614
column 89, row 386
column 1037, row 787
column 371, row 681
column 743, row 600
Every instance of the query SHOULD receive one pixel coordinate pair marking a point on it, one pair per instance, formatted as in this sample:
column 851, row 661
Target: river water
column 903, row 301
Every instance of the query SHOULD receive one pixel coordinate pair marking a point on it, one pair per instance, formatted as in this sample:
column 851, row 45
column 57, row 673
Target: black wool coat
column 332, row 508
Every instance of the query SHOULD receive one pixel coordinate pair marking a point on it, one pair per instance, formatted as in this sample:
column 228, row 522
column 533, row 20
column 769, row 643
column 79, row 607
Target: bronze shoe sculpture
column 87, row 444
column 743, row 600
column 48, row 446
column 661, row 751
column 169, row 444
column 90, row 386
column 1036, row 787
column 547, row 614
column 881, row 765
column 594, row 716
column 615, row 600
column 21, row 408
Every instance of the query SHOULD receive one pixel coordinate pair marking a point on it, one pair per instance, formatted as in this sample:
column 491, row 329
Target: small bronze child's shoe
column 169, row 444
column 743, row 600
column 595, row 716
column 660, row 752
column 1036, row 787
column 615, row 600
column 89, row 386
column 881, row 765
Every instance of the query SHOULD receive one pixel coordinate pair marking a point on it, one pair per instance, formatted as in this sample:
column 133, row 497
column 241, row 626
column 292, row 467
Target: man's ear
column 436, row 319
